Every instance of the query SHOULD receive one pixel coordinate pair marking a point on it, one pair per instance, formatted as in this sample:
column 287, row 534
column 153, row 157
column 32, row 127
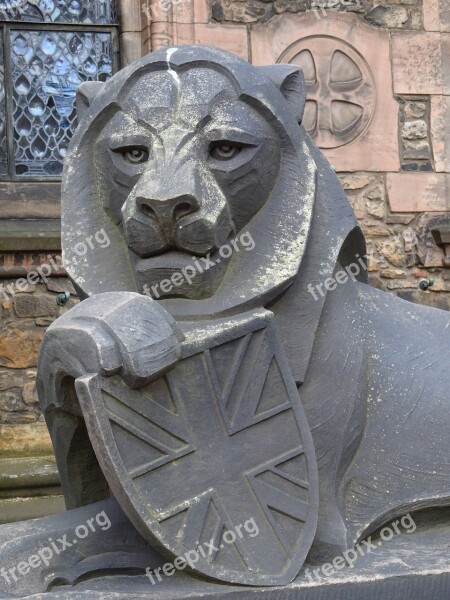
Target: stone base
column 354, row 586
column 110, row 565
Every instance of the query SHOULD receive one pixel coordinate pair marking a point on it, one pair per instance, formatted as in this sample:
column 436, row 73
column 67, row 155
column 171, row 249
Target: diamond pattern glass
column 99, row 12
column 3, row 155
column 47, row 67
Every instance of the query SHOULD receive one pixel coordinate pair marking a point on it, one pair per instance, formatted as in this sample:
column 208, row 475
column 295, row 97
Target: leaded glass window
column 40, row 68
column 3, row 155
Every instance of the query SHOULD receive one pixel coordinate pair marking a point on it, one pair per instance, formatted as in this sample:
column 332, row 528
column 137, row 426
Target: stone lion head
column 181, row 155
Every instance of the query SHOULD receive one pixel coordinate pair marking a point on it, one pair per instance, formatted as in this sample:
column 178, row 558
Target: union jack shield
column 213, row 462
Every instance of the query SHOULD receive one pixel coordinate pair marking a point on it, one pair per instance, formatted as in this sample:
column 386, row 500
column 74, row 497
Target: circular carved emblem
column 341, row 93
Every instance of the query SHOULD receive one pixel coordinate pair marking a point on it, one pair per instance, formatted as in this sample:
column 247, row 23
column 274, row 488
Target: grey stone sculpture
column 228, row 363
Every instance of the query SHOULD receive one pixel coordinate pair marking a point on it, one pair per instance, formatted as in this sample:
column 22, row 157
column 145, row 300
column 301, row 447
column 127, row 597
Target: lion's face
column 183, row 154
column 192, row 163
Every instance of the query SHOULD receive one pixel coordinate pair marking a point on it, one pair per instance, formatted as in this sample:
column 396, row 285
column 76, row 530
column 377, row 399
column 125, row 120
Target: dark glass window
column 40, row 68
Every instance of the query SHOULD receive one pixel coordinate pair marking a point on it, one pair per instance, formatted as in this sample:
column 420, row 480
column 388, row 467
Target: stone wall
column 402, row 14
column 29, row 482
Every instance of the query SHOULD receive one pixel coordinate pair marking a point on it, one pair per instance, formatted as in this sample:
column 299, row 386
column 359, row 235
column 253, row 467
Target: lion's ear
column 290, row 81
column 86, row 92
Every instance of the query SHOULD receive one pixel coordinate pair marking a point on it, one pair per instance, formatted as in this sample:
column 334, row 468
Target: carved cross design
column 341, row 93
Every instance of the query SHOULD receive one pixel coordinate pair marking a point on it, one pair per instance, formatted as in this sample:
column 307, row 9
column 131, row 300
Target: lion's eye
column 135, row 156
column 225, row 151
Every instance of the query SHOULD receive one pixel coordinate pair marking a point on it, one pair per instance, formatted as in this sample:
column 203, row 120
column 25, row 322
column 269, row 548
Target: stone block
column 29, row 394
column 10, row 379
column 244, row 12
column 44, row 321
column 335, row 45
column 228, row 37
column 19, row 345
column 59, row 285
column 440, row 131
column 436, row 15
column 416, row 150
column 10, row 401
column 418, row 192
column 28, row 472
column 399, row 284
column 414, row 130
column 393, row 274
column 27, row 305
column 22, row 509
column 420, row 62
column 201, row 11
column 375, row 209
column 356, row 181
column 414, row 110
column 282, row 6
column 130, row 47
column 25, row 440
column 388, row 16
column 131, row 14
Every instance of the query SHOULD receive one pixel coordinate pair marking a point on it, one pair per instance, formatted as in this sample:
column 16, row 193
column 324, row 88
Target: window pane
column 59, row 11
column 3, row 159
column 47, row 67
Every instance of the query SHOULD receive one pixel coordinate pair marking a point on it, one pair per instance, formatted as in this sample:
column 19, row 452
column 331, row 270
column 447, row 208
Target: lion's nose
column 167, row 210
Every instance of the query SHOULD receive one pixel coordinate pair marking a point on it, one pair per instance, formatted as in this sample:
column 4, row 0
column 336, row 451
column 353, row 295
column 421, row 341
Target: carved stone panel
column 341, row 91
column 350, row 111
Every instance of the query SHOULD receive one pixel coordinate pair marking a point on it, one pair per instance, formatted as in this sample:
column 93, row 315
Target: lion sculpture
column 224, row 221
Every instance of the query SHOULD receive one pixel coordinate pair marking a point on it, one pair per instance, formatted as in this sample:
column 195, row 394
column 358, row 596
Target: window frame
column 5, row 27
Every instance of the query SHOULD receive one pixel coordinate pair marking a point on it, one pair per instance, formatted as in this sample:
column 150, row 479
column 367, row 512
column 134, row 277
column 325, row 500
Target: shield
column 213, row 462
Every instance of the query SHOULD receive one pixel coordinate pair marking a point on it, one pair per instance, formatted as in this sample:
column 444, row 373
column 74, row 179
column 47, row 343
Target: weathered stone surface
column 414, row 110
column 25, row 472
column 8, row 379
column 393, row 252
column 25, row 440
column 399, row 284
column 415, row 18
column 436, row 15
column 232, row 37
column 388, row 16
column 375, row 192
column 35, row 305
column 418, row 150
column 337, row 4
column 374, row 201
column 440, row 132
column 60, row 284
column 10, row 400
column 356, row 181
column 419, row 62
column 376, row 229
column 19, row 345
column 376, row 209
column 29, row 394
column 397, row 219
column 44, row 321
column 418, row 192
column 414, row 130
column 393, row 274
column 284, row 6
column 244, row 12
